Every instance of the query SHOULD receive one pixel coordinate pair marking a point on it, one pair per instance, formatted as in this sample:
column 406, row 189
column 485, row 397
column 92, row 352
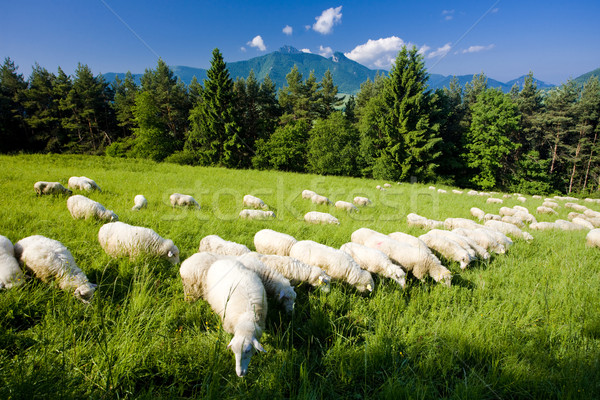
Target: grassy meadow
column 522, row 325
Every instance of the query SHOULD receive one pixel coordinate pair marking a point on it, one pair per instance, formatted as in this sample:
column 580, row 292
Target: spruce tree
column 41, row 110
column 124, row 104
column 12, row 126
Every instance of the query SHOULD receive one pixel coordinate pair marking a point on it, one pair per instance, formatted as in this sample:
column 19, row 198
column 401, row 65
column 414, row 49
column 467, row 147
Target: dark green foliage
column 286, row 149
column 12, row 127
column 124, row 104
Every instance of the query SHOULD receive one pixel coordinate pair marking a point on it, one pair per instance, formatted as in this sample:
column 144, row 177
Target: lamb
column 362, row 201
column 483, row 238
column 268, row 241
column 335, row 263
column 453, row 223
column 583, row 222
column 344, row 205
column 422, row 222
column 315, row 217
column 543, row 226
column 546, row 210
column 307, row 194
column 82, row 207
column 472, row 247
column 593, row 238
column 576, row 207
column 318, row 199
column 119, row 239
column 550, row 204
column 509, row 229
column 256, row 214
column 417, row 259
column 447, row 247
column 493, row 200
column 139, row 202
column 506, row 211
column 54, row 188
column 216, row 244
column 183, row 200
column 490, row 216
column 49, row 260
column 10, row 273
column 477, row 213
column 513, row 220
column 82, row 183
column 296, row 271
column 254, row 202
column 375, row 262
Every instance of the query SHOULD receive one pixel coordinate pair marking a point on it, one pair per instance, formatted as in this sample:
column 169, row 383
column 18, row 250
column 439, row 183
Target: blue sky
column 503, row 39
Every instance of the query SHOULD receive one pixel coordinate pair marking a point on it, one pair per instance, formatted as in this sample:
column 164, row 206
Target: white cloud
column 448, row 14
column 423, row 49
column 441, row 51
column 477, row 49
column 243, row 49
column 327, row 19
column 307, row 27
column 306, row 51
column 258, row 43
column 325, row 51
column 288, row 30
column 379, row 53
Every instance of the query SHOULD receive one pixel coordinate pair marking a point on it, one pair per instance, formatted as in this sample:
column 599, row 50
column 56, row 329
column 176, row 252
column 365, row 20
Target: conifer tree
column 12, row 127
column 328, row 95
column 124, row 104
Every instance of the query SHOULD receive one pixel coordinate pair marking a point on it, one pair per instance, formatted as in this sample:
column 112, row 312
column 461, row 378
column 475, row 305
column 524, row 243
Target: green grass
column 523, row 325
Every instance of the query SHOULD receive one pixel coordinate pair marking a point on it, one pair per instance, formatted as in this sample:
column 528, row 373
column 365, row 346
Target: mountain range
column 347, row 74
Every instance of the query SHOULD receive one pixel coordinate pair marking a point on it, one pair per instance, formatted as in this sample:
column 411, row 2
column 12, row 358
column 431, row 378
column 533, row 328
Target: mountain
column 584, row 78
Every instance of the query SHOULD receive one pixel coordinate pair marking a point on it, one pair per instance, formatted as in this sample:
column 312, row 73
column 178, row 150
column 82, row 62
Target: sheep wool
column 307, row 194
column 316, row 217
column 256, row 214
column 567, row 225
column 53, row 188
column 254, row 202
column 216, row 244
column 472, row 247
column 593, row 238
column 483, row 238
column 448, row 248
column 183, row 200
column 513, row 220
column 493, row 200
column 477, row 213
column 489, row 216
column 509, row 229
column 506, row 211
column 82, row 207
column 521, row 208
column 335, row 263
column 583, row 222
column 297, row 271
column 318, row 199
column 119, row 239
column 139, row 202
column 10, row 272
column 268, row 241
column 546, row 210
column 550, row 204
column 344, row 205
column 453, row 223
column 375, row 262
column 362, row 201
column 456, row 191
column 525, row 217
column 49, row 260
column 543, row 226
column 422, row 222
column 591, row 213
column 576, row 207
column 82, row 183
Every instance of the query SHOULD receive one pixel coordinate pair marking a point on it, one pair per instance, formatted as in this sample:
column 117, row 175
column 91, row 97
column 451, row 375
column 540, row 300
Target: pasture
column 525, row 324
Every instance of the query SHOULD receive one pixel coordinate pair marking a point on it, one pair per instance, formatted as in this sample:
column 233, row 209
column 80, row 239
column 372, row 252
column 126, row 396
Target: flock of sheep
column 237, row 281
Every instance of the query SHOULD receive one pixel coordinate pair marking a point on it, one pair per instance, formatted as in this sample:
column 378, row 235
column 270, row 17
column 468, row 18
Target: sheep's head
column 324, row 282
column 243, row 348
column 171, row 251
column 287, row 297
column 85, row 292
column 365, row 282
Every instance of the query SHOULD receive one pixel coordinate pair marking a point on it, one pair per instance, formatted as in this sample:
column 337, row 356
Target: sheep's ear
column 170, row 254
column 281, row 295
column 258, row 346
column 369, row 287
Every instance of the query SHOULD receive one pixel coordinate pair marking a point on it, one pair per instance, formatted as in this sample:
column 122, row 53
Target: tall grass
column 522, row 325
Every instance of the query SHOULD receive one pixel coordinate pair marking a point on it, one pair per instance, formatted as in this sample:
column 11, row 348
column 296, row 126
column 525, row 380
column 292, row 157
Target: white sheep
column 525, row 217
column 442, row 191
column 447, row 247
column 521, row 208
column 593, row 238
column 493, row 200
column 550, row 204
column 10, row 273
column 119, row 239
column 513, row 220
column 183, row 200
column 536, row 196
column 506, row 211
column 256, row 214
column 472, row 192
column 307, row 194
column 387, row 185
column 583, row 222
column 54, row 188
column 362, row 201
column 543, row 226
column 595, row 221
column 336, row 263
column 316, row 217
column 546, row 210
column 49, row 260
column 506, row 196
column 456, row 191
column 378, row 187
column 500, row 237
column 297, row 271
column 268, row 241
column 591, row 213
column 82, row 183
column 521, row 199
column 344, row 205
column 431, row 188
column 472, row 247
column 216, row 244
column 574, row 214
column 82, row 207
column 490, row 216
column 422, row 222
column 254, row 202
column 576, row 207
column 139, row 202
column 567, row 225
column 477, row 213
column 318, row 199
column 483, row 237
column 417, row 259
column 453, row 223
column 375, row 261
column 509, row 229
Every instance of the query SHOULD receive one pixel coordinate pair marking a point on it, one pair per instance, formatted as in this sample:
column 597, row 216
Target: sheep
column 442, row 191
column 574, row 214
column 472, row 247
column 447, row 247
column 139, row 202
column 254, row 202
column 525, row 217
column 410, row 240
column 509, row 229
column 183, row 200
column 82, row 207
column 10, row 273
column 593, row 238
column 320, row 200
column 431, row 187
column 576, row 207
column 484, row 194
column 315, row 217
column 595, row 221
column 513, row 220
column 591, row 213
column 216, row 244
column 335, row 263
column 506, row 196
column 387, row 185
column 583, row 222
column 344, row 205
column 422, row 222
column 119, row 239
column 567, row 225
column 362, row 201
column 522, row 199
column 483, row 238
column 507, row 211
column 521, row 208
column 550, row 204
column 500, row 237
column 82, row 183
column 493, row 200
column 296, row 271
column 48, row 260
column 375, row 262
column 472, row 193
column 546, row 210
column 268, row 241
column 477, row 213
column 378, row 187
column 54, row 188
column 456, row 191
column 307, row 194
column 417, row 259
column 452, row 223
column 490, row 216
column 536, row 196
column 238, row 296
column 543, row 226
column 256, row 214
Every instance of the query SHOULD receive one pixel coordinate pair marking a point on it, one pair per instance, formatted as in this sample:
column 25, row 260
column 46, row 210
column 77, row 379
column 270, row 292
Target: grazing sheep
column 546, row 210
column 320, row 200
column 378, row 187
column 477, row 213
column 375, row 262
column 307, row 194
column 410, row 240
column 256, row 214
column 49, row 259
column 82, row 207
column 567, row 225
column 594, row 221
column 483, row 238
column 593, row 238
column 344, row 205
column 472, row 193
column 268, row 241
column 591, row 213
column 490, row 216
column 484, row 194
column 583, row 222
column 521, row 208
column 509, row 229
column 119, row 239
column 387, row 185
column 500, row 237
column 507, row 211
column 513, row 220
column 139, row 202
column 216, row 244
column 334, row 262
column 472, row 247
column 453, row 223
column 522, row 199
column 493, row 200
column 447, row 247
column 525, row 217
column 183, row 200
column 315, row 217
column 296, row 271
column 443, row 191
column 422, row 222
column 431, row 187
column 54, row 188
column 574, row 214
column 543, row 226
column 417, row 259
column 254, row 202
column 550, row 204
column 82, row 183
column 361, row 201
column 10, row 273
column 456, row 191
column 506, row 196
column 576, row 207
column 536, row 196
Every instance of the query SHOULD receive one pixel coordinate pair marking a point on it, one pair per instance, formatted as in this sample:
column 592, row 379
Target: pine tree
column 589, row 127
column 13, row 135
column 328, row 96
column 41, row 110
column 124, row 104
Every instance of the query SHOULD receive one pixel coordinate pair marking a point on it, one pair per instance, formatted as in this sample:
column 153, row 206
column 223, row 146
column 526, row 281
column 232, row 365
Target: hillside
column 584, row 78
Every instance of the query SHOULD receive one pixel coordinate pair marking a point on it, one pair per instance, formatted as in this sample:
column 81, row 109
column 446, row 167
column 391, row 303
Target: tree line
column 395, row 128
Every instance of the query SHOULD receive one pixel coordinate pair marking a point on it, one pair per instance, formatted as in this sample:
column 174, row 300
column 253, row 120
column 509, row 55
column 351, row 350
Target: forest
column 395, row 128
